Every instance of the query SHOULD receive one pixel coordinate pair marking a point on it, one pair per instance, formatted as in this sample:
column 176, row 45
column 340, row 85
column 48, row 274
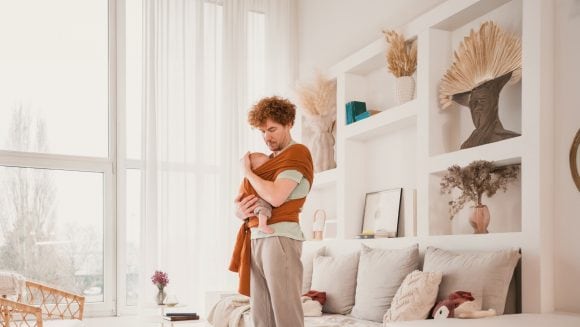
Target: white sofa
column 344, row 248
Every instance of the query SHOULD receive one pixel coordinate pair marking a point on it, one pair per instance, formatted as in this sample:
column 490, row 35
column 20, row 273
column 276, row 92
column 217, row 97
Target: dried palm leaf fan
column 485, row 61
column 318, row 102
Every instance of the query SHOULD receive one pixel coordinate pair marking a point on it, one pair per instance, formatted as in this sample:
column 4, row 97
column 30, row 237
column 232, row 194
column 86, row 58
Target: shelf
column 503, row 153
column 387, row 121
column 324, row 179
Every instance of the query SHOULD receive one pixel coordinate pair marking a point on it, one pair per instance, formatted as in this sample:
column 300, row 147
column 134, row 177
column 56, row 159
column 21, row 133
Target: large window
column 54, row 64
column 63, row 204
column 207, row 162
column 56, row 164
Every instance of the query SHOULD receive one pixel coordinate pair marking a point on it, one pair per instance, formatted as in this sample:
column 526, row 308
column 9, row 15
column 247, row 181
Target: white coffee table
column 162, row 322
column 158, row 318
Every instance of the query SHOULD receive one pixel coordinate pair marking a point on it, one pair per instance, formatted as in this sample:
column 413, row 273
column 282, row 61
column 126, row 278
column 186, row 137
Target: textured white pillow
column 307, row 259
column 415, row 298
column 380, row 273
column 486, row 272
column 337, row 277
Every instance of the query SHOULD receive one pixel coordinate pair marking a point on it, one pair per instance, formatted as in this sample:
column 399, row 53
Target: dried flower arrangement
column 318, row 101
column 478, row 178
column 402, row 54
column 319, row 98
column 160, row 279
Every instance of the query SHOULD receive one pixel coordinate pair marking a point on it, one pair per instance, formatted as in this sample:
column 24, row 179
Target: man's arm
column 275, row 192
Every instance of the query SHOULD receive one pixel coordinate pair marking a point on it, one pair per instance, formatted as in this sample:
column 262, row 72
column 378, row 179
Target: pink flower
column 160, row 279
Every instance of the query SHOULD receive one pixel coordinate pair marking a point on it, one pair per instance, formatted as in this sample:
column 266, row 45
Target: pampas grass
column 319, row 98
column 318, row 101
column 402, row 55
column 482, row 56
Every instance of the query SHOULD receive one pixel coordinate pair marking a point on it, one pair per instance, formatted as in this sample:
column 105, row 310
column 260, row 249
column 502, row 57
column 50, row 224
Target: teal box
column 353, row 109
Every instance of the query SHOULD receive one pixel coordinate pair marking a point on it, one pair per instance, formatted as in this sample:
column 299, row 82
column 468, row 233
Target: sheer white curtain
column 205, row 63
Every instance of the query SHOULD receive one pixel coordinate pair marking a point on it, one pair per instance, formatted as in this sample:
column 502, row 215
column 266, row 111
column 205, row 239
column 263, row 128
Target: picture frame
column 382, row 212
column 575, row 160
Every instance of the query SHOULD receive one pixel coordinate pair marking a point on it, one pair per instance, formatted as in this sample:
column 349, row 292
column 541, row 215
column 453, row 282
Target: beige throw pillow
column 307, row 259
column 380, row 273
column 487, row 273
column 337, row 277
column 415, row 298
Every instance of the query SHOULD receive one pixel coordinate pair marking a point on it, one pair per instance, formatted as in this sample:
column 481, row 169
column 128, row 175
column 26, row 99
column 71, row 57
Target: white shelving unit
column 411, row 145
column 325, row 179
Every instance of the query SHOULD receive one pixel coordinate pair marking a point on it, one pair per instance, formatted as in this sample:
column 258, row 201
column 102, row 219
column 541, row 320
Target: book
column 353, row 109
column 365, row 236
column 181, row 318
column 169, row 314
column 362, row 116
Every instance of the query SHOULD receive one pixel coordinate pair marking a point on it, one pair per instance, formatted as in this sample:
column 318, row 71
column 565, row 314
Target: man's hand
column 245, row 207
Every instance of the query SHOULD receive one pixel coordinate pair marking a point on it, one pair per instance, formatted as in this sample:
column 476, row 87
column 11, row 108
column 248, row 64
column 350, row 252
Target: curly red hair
column 279, row 110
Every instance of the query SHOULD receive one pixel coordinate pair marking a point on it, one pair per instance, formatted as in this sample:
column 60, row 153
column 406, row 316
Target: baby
column 263, row 209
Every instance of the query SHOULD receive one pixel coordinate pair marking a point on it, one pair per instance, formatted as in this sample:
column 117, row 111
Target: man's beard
column 274, row 146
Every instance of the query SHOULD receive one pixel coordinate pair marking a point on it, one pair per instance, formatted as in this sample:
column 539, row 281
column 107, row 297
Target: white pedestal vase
column 404, row 89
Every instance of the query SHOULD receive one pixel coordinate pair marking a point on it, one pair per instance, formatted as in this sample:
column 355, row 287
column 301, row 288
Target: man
column 272, row 260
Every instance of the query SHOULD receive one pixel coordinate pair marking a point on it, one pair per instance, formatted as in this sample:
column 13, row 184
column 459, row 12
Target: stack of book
column 355, row 111
column 179, row 316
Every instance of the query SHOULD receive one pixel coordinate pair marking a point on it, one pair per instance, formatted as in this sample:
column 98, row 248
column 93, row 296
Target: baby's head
column 257, row 159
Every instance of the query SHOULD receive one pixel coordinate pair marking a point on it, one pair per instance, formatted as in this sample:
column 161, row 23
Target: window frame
column 104, row 165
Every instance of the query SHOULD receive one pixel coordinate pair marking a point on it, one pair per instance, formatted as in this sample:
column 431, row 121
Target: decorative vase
column 404, row 89
column 160, row 296
column 321, row 143
column 479, row 219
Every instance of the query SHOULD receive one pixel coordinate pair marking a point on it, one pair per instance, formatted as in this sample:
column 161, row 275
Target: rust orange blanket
column 295, row 157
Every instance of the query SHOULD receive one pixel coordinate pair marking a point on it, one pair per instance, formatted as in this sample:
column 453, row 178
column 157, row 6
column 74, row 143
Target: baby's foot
column 266, row 229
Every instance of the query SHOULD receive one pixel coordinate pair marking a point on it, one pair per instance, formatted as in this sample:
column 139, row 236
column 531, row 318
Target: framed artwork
column 381, row 213
column 575, row 159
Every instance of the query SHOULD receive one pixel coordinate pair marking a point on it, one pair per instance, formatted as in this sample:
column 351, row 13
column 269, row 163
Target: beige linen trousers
column 276, row 282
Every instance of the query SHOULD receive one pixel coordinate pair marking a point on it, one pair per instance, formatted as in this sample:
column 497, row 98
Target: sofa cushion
column 415, row 298
column 380, row 273
column 307, row 259
column 485, row 273
column 337, row 277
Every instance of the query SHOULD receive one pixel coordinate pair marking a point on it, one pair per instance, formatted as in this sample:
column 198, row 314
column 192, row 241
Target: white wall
column 567, row 122
column 327, row 35
column 330, row 30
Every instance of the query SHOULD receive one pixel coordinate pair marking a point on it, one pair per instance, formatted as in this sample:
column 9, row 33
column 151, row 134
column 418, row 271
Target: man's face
column 276, row 136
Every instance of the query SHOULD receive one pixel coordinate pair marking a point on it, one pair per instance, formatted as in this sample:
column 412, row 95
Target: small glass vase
column 160, row 296
column 479, row 219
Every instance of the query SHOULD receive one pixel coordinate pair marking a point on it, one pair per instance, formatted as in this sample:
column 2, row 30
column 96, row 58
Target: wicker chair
column 42, row 306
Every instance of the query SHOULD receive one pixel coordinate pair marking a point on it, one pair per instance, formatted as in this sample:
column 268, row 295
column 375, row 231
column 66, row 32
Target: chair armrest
column 18, row 314
column 54, row 302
